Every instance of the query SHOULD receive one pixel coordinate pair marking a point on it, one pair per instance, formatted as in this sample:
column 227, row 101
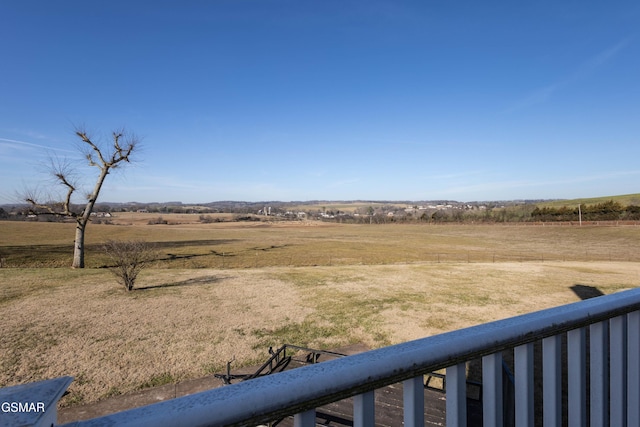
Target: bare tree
column 129, row 258
column 124, row 144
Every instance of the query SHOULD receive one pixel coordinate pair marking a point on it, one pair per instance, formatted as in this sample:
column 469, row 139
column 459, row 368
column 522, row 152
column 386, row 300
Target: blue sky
column 331, row 99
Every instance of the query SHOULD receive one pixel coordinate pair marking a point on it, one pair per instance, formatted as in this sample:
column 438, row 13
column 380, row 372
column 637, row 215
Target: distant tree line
column 385, row 214
column 606, row 211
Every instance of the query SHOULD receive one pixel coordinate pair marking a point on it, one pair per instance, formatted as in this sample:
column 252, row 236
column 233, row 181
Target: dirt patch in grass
column 188, row 323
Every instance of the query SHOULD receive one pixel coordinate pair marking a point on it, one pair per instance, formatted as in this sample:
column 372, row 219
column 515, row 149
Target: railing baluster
column 633, row 368
column 305, row 419
column 524, row 385
column 457, row 395
column 599, row 389
column 618, row 374
column 364, row 409
column 492, row 389
column 577, row 377
column 552, row 381
column 413, row 395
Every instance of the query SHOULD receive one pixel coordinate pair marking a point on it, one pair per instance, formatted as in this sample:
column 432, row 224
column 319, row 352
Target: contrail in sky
column 13, row 141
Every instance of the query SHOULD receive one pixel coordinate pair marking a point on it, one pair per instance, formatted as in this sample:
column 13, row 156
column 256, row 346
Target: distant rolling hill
column 625, row 200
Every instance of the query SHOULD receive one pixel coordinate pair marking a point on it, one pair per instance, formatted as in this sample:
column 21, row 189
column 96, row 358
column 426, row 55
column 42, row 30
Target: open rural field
column 184, row 242
column 312, row 284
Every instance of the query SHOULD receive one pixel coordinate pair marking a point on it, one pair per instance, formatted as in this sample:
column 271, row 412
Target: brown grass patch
column 188, row 323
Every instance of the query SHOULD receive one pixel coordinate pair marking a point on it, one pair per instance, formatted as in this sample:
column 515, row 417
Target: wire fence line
column 261, row 260
column 595, row 241
column 289, row 257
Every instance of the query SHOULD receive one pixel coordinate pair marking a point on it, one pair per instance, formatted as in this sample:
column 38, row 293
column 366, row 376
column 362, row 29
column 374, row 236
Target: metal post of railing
column 364, row 406
column 633, row 368
column 413, row 397
column 577, row 377
column 457, row 395
column 38, row 400
column 492, row 389
column 305, row 419
column 618, row 374
column 599, row 374
column 523, row 364
column 552, row 380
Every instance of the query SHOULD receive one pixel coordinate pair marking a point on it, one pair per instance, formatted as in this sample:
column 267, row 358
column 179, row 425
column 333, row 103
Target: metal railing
column 276, row 362
column 613, row 399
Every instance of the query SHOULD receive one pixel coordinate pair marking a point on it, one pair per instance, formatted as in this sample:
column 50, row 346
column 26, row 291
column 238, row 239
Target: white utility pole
column 580, row 214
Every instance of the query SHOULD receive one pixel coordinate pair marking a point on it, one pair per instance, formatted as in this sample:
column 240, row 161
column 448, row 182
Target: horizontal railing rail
column 298, row 392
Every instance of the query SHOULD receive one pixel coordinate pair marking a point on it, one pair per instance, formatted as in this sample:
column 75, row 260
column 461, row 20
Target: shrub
column 156, row 221
column 129, row 258
column 208, row 219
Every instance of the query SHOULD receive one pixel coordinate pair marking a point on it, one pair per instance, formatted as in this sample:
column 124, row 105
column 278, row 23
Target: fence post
column 618, row 374
column 492, row 390
column 577, row 377
column 524, row 382
column 364, row 410
column 456, row 403
column 305, row 419
column 599, row 391
column 633, row 368
column 552, row 381
column 413, row 397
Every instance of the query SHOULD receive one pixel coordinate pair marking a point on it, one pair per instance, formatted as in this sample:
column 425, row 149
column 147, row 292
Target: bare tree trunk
column 78, row 248
column 83, row 220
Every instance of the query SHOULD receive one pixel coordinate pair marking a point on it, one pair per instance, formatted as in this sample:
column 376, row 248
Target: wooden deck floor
column 389, row 406
column 388, row 411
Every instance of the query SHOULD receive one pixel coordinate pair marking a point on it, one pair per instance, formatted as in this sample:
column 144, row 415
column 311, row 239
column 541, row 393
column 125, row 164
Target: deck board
column 388, row 405
column 389, row 410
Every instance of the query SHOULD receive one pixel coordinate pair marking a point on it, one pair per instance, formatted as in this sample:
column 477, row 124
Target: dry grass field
column 312, row 284
column 186, row 243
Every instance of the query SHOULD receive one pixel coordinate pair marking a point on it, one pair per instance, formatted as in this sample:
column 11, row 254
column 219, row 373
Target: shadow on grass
column 59, row 255
column 586, row 292
column 203, row 280
column 186, row 243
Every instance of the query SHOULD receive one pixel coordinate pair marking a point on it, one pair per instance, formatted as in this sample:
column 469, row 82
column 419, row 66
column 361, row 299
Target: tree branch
column 62, row 172
column 122, row 153
column 85, row 138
